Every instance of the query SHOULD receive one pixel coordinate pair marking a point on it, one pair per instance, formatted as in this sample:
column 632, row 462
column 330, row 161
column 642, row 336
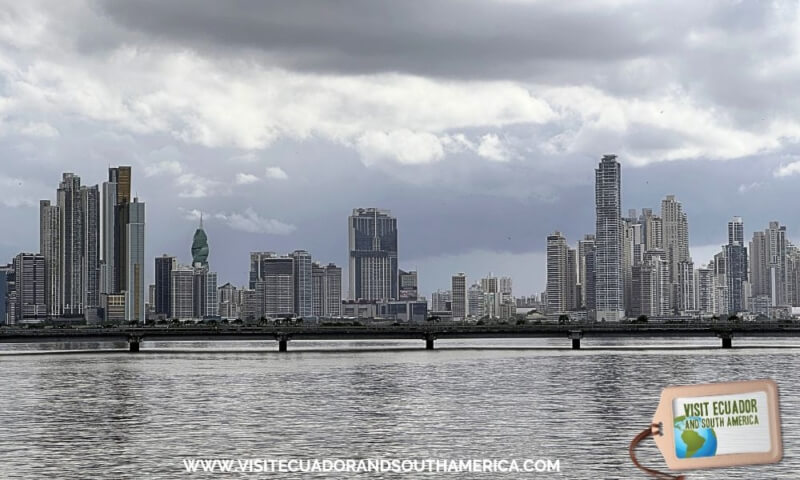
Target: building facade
column 372, row 252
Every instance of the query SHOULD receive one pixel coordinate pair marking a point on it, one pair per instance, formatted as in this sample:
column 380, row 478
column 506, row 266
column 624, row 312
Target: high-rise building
column 652, row 229
column 50, row 248
column 586, row 271
column 686, row 299
column 229, row 302
column 372, row 254
column 408, row 285
column 29, row 274
column 704, row 288
column 163, row 272
column 200, row 246
column 608, row 238
column 475, row 301
column 776, row 243
column 119, row 185
column 440, row 301
column 134, row 264
column 205, row 293
column 735, row 267
column 90, row 208
column 558, row 274
column 721, row 281
column 303, row 290
column 275, row 287
column 676, row 246
column 759, row 261
column 6, row 276
column 71, row 244
column 108, row 276
column 650, row 285
column 459, row 296
column 256, row 259
column 632, row 253
column 327, row 296
column 182, row 286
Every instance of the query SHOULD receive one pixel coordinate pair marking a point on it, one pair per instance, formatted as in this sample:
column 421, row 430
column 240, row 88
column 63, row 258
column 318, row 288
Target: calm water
column 116, row 415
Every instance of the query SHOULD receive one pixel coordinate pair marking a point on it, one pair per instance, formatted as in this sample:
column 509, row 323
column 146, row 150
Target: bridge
column 428, row 332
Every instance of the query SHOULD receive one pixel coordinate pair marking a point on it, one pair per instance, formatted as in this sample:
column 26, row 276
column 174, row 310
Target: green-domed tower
column 200, row 246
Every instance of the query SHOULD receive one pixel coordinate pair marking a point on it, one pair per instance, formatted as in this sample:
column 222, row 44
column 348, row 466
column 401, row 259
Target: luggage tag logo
column 716, row 425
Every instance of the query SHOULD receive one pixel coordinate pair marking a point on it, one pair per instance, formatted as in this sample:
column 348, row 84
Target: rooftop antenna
column 201, row 220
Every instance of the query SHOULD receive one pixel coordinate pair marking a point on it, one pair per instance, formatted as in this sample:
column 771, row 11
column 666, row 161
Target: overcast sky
column 478, row 123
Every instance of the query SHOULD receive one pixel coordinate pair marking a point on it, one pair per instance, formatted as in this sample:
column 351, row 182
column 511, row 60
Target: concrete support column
column 133, row 344
column 283, row 344
column 727, row 342
column 429, row 343
column 575, row 336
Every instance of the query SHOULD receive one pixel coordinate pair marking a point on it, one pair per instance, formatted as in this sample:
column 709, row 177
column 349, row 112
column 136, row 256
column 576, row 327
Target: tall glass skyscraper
column 373, row 255
column 608, row 241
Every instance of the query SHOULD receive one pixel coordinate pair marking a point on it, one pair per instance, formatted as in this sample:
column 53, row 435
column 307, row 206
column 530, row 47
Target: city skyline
column 705, row 252
column 276, row 140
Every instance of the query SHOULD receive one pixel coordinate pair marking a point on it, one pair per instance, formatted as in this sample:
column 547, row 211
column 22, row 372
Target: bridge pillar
column 575, row 336
column 429, row 343
column 727, row 341
column 283, row 343
column 133, row 344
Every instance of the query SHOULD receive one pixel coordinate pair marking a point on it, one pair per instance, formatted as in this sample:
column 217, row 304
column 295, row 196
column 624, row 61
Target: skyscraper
column 608, row 236
column 735, row 264
column 557, row 273
column 303, row 290
column 372, row 255
column 459, row 296
column 135, row 266
column 50, row 248
column 200, row 246
column 71, row 244
column 586, row 271
column 90, row 208
column 120, row 178
column 108, row 272
column 163, row 271
column 676, row 246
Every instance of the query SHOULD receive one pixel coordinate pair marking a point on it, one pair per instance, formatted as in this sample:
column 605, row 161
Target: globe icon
column 694, row 442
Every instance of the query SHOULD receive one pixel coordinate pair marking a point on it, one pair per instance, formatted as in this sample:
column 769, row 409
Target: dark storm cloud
column 472, row 38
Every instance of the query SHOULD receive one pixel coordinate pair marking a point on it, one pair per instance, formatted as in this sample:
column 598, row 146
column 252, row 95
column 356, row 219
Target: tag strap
column 654, row 429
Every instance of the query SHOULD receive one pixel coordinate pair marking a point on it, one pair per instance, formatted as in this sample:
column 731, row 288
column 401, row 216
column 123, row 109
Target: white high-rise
column 608, row 239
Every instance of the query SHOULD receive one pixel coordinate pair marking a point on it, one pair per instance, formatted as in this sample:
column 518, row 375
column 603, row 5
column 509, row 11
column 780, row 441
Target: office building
column 163, row 273
column 372, row 251
column 134, row 262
